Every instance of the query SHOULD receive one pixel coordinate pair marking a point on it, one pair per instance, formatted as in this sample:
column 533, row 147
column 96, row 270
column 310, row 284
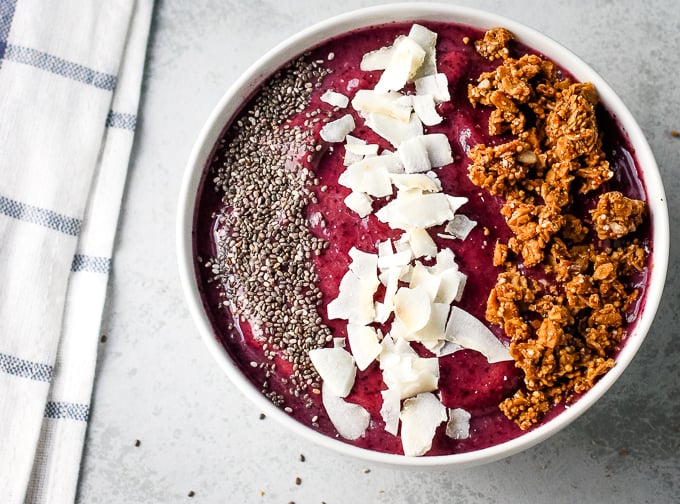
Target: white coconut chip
column 421, row 243
column 350, row 420
column 380, row 58
column 370, row 176
column 412, row 306
column 469, row 332
column 335, row 99
column 448, row 348
column 451, row 284
column 412, row 209
column 406, row 59
column 460, row 226
column 419, row 181
column 359, row 202
column 458, row 426
column 391, row 286
column 355, row 300
column 433, row 333
column 445, row 260
column 362, row 149
column 350, row 156
column 363, row 341
column 423, row 106
column 390, row 409
column 336, row 131
column 420, row 417
column 393, row 130
column 438, row 149
column 390, row 104
column 382, row 312
column 336, row 368
column 394, row 260
column 411, row 375
column 436, row 85
column 421, row 277
column 426, row 39
column 413, row 155
column 364, row 264
column 456, row 202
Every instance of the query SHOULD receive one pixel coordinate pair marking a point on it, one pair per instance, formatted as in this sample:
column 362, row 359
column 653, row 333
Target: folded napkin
column 70, row 75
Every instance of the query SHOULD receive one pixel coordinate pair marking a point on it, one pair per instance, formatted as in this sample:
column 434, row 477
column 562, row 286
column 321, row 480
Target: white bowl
column 229, row 106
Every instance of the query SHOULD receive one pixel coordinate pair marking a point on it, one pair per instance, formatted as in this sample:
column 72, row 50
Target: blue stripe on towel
column 41, row 216
column 121, row 120
column 7, row 8
column 25, row 369
column 55, row 65
column 92, row 264
column 70, row 411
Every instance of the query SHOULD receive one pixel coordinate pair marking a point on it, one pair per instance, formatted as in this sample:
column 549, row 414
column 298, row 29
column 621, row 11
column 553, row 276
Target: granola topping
column 565, row 329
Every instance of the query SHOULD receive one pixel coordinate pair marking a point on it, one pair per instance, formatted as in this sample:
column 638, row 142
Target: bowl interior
column 249, row 82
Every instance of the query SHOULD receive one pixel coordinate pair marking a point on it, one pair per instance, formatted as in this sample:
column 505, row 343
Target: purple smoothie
column 467, row 380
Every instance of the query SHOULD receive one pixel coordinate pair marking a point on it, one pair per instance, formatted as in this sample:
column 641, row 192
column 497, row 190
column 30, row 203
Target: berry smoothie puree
column 466, row 380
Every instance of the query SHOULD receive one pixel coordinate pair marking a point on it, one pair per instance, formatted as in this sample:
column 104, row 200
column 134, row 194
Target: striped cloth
column 70, row 75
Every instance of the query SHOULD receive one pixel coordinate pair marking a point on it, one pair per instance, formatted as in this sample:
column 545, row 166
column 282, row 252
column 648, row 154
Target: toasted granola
column 564, row 331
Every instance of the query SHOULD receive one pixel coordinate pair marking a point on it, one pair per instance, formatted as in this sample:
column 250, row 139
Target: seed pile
column 263, row 167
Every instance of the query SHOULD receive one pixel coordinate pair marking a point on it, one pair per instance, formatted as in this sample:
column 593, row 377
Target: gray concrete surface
column 157, row 383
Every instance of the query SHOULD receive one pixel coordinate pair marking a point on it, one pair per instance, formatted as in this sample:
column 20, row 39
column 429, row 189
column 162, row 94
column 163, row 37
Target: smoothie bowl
column 422, row 235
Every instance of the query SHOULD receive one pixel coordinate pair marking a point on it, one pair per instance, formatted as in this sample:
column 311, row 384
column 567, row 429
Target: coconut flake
column 469, row 332
column 412, row 306
column 421, row 243
column 426, row 39
column 393, row 130
column 355, row 300
column 363, row 340
column 336, row 368
column 455, row 202
column 394, row 260
column 411, row 209
column 451, row 283
column 460, row 226
column 350, row 420
column 420, row 417
column 390, row 104
column 335, row 99
column 336, row 131
column 370, row 176
column 406, row 59
column 380, row 58
column 360, row 203
column 432, row 335
column 458, row 426
column 389, row 410
column 362, row 149
column 352, row 157
column 413, row 155
column 438, row 149
column 364, row 264
column 435, row 85
column 421, row 277
column 423, row 105
column 414, row 181
column 404, row 370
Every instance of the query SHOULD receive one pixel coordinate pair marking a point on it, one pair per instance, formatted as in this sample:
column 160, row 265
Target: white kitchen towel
column 70, row 74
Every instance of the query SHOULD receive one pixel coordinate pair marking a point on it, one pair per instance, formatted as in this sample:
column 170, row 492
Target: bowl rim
column 230, row 104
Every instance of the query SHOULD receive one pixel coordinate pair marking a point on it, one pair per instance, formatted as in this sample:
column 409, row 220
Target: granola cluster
column 564, row 329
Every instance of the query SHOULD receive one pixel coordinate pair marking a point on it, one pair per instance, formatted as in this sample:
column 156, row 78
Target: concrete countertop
column 156, row 382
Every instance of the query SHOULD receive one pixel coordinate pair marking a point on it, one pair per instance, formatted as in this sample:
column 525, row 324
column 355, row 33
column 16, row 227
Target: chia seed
column 263, row 238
